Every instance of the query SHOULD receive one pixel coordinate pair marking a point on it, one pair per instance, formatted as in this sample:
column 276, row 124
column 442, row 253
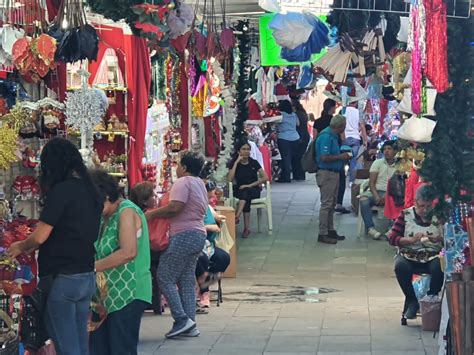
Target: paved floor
column 293, row 295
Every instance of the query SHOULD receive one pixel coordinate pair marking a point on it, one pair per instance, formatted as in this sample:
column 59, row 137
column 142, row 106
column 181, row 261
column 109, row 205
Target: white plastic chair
column 258, row 204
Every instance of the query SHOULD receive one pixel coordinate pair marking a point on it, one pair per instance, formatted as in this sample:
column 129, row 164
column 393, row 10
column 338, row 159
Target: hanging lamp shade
column 109, row 73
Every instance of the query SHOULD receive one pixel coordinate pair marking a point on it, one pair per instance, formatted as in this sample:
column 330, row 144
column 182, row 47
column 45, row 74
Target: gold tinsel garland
column 16, row 119
column 8, row 146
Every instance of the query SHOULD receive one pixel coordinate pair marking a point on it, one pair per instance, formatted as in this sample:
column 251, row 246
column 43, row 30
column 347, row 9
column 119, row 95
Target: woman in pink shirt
column 186, row 210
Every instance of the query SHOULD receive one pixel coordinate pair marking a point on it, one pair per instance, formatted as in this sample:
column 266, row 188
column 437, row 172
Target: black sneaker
column 180, row 328
column 326, row 239
column 333, row 234
column 342, row 210
column 412, row 310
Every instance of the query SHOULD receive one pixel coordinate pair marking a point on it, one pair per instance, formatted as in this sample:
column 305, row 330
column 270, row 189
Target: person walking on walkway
column 123, row 255
column 187, row 208
column 323, row 122
column 302, row 128
column 419, row 239
column 288, row 139
column 329, row 160
column 380, row 173
column 67, row 229
column 355, row 129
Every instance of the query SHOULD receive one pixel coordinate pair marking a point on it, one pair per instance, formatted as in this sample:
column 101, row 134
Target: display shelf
column 104, row 133
column 108, row 88
column 118, row 174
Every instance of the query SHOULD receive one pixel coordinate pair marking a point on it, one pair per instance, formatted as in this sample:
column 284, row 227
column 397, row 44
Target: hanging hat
column 281, row 93
column 255, row 116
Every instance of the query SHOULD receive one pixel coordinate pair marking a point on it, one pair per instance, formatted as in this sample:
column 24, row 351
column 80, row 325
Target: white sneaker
column 374, row 233
column 194, row 332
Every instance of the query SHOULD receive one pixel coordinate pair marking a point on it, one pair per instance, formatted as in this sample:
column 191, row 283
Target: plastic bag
column 417, row 129
column 430, row 308
column 290, row 30
column 270, row 5
column 306, row 79
column 158, row 229
column 225, row 240
column 421, row 285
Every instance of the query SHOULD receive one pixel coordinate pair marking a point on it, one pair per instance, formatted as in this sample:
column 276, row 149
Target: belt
column 331, row 170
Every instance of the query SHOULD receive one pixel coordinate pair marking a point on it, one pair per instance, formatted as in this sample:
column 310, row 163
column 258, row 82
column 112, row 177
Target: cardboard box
column 229, row 214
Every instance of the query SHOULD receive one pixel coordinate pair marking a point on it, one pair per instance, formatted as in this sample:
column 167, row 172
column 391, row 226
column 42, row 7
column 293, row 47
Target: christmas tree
column 449, row 165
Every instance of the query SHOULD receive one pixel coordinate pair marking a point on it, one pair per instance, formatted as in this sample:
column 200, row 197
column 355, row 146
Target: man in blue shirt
column 330, row 161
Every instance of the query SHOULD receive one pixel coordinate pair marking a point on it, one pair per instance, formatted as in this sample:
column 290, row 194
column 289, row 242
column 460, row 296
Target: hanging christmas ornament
column 84, row 111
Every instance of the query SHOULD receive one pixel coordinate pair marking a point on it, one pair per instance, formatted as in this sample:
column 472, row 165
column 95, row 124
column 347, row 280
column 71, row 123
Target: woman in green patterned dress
column 123, row 254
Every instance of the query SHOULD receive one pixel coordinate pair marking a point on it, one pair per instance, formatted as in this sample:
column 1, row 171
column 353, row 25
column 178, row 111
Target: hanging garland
column 8, row 147
column 243, row 83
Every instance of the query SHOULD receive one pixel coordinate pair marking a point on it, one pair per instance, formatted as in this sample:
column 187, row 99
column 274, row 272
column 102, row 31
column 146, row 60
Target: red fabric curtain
column 138, row 81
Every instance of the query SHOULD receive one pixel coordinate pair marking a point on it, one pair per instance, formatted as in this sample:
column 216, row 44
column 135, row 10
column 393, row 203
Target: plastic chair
column 264, row 202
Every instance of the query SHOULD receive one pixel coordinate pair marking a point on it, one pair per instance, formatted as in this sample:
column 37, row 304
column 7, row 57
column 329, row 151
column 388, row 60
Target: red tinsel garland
column 436, row 44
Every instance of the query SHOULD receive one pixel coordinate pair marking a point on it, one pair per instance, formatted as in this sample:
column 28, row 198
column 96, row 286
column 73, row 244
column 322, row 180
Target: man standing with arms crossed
column 329, row 160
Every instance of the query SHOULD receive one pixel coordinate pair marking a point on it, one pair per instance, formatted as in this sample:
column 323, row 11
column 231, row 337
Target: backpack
column 308, row 161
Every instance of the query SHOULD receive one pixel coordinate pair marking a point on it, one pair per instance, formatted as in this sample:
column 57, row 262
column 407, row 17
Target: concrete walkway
column 293, row 295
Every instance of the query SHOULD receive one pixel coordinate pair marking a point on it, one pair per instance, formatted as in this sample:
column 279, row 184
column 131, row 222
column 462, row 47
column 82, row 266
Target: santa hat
column 255, row 116
column 281, row 93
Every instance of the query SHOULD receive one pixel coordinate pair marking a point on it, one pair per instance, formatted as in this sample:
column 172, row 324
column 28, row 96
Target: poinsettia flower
column 162, row 10
column 147, row 27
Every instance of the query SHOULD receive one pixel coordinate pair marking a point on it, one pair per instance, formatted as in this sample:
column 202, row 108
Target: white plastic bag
column 270, row 5
column 290, row 30
column 225, row 241
column 417, row 129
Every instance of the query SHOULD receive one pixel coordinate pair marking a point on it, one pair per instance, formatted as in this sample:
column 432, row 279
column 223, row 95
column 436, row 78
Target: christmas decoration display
column 147, row 19
column 448, row 166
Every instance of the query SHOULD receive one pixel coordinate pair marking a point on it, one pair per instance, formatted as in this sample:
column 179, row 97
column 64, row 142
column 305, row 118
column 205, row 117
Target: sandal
column 246, row 233
column 202, row 310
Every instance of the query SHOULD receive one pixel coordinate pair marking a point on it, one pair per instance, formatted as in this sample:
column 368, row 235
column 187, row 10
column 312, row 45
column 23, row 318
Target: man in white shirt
column 355, row 129
column 380, row 173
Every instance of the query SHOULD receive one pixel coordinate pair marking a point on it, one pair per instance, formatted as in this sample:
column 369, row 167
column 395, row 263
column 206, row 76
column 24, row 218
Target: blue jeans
column 67, row 312
column 119, row 333
column 289, row 158
column 355, row 145
column 365, row 209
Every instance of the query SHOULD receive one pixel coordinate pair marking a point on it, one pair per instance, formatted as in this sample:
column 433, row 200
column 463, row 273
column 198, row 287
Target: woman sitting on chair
column 248, row 176
column 419, row 238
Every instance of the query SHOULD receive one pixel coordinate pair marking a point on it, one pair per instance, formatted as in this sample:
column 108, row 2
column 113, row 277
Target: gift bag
column 225, row 241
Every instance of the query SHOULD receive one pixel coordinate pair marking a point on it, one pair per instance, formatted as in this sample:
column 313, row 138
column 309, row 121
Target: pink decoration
column 416, row 74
